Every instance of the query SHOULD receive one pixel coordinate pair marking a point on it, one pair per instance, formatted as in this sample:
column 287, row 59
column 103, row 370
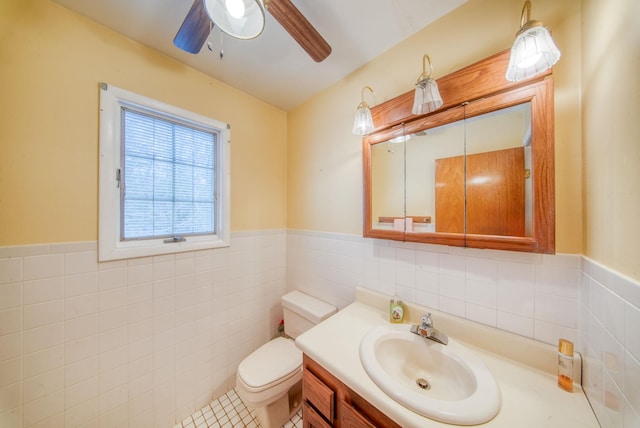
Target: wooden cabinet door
column 328, row 402
column 318, row 394
column 311, row 418
column 351, row 418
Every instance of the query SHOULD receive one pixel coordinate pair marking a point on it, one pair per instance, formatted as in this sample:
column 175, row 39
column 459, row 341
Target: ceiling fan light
column 235, row 8
column 242, row 19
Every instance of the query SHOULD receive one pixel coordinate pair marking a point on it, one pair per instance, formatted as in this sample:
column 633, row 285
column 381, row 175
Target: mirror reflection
column 498, row 173
column 477, row 173
column 388, row 197
column 424, row 191
column 426, row 176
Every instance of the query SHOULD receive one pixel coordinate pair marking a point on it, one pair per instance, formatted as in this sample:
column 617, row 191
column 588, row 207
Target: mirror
column 477, row 174
column 425, row 189
column 493, row 175
column 388, row 182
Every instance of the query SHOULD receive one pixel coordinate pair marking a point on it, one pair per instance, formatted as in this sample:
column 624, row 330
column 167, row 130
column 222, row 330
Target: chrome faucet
column 427, row 330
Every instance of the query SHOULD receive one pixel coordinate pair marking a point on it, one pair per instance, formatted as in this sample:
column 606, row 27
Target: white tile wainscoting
column 610, row 344
column 140, row 342
column 539, row 296
column 147, row 342
column 533, row 295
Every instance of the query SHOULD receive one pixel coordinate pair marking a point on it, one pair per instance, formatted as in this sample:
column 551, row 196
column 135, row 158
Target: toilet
column 269, row 380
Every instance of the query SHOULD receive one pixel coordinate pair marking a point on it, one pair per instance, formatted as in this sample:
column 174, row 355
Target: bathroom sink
column 447, row 383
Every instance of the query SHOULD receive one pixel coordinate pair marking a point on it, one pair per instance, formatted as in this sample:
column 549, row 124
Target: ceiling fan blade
column 194, row 29
column 299, row 28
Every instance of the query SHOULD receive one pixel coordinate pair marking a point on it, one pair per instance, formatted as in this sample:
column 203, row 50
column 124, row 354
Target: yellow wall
column 325, row 170
column 52, row 60
column 611, row 128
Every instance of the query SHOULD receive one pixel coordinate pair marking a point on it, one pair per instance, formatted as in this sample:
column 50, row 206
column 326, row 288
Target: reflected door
column 450, row 194
column 495, row 193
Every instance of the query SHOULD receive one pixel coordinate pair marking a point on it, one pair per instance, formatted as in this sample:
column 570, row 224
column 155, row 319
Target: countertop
column 523, row 368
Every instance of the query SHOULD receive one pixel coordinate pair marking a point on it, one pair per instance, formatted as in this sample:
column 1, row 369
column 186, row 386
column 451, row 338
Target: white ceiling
column 273, row 67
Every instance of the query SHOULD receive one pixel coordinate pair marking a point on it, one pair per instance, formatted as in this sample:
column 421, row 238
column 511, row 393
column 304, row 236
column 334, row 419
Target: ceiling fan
column 197, row 25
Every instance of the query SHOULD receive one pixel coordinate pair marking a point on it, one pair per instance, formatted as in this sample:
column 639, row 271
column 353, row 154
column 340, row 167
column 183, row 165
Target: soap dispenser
column 396, row 310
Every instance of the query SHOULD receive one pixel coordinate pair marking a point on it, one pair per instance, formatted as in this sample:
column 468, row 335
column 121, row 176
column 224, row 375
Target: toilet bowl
column 269, row 380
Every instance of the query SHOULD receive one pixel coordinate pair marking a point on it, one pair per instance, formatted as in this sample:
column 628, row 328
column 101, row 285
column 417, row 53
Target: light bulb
column 235, row 8
column 530, row 51
column 529, row 61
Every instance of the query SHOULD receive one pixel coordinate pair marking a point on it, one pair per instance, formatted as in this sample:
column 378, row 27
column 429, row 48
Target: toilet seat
column 269, row 371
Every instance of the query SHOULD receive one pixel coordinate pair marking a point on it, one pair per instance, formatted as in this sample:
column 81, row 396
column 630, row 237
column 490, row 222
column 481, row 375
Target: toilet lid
column 272, row 361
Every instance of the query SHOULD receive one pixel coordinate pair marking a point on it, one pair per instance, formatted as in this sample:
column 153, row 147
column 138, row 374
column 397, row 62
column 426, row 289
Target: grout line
column 229, row 410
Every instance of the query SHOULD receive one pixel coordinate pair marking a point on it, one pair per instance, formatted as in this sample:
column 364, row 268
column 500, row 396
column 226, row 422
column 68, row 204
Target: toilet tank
column 301, row 312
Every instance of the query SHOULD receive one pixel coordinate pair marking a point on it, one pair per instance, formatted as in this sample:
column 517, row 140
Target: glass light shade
column 224, row 14
column 427, row 97
column 363, row 123
column 532, row 52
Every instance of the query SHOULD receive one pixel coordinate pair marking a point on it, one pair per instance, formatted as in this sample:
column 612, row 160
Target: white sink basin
column 442, row 382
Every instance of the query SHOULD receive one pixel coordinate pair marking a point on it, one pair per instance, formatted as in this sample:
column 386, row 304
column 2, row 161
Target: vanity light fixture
column 242, row 19
column 533, row 50
column 363, row 123
column 427, row 97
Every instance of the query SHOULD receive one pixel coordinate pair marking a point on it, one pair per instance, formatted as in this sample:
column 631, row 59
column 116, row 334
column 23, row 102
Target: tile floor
column 229, row 411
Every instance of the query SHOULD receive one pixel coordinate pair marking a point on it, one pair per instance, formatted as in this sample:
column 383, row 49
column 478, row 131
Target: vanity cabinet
column 327, row 402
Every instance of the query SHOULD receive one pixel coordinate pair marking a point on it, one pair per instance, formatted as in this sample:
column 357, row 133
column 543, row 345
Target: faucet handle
column 426, row 320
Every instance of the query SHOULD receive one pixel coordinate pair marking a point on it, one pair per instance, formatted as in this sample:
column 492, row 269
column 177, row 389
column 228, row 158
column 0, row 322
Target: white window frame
column 110, row 246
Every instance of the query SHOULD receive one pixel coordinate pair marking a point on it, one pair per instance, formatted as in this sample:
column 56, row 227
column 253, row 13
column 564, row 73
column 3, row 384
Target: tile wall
column 532, row 295
column 539, row 296
column 146, row 342
column 140, row 342
column 610, row 344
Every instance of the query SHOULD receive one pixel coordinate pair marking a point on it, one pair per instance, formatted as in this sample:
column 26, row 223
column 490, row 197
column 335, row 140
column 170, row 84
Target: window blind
column 167, row 179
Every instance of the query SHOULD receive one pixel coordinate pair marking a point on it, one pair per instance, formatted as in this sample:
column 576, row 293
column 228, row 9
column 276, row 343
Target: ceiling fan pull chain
column 221, row 45
column 210, row 38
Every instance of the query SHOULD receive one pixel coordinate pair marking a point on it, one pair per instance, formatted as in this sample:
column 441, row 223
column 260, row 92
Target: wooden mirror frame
column 484, row 85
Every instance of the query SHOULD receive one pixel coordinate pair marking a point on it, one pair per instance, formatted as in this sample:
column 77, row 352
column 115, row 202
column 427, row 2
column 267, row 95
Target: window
column 167, row 177
column 164, row 178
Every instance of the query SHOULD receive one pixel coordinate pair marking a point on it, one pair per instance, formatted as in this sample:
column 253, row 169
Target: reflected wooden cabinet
column 327, row 402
